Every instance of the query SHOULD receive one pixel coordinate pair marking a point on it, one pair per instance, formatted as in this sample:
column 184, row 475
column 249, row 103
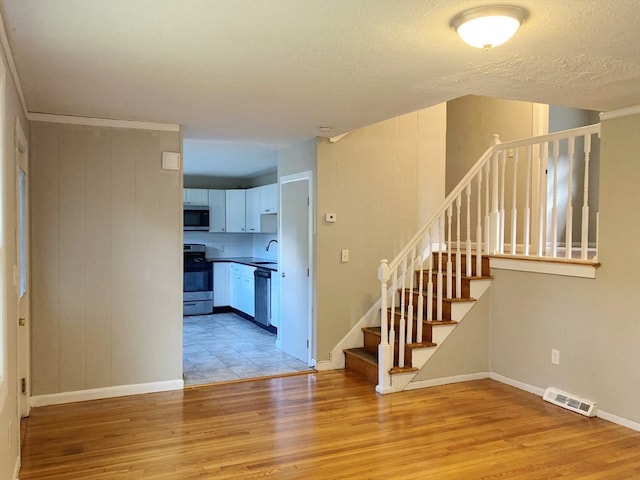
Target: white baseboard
column 107, row 392
column 435, row 382
column 324, row 365
column 515, row 383
column 624, row 422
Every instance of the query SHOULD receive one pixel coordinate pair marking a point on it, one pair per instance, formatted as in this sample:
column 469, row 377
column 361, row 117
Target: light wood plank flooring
column 328, row 425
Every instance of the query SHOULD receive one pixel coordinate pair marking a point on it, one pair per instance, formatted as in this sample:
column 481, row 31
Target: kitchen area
column 231, row 302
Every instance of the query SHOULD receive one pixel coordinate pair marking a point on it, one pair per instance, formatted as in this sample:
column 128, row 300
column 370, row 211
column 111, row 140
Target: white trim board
column 107, row 392
column 103, row 122
column 581, row 270
column 622, row 112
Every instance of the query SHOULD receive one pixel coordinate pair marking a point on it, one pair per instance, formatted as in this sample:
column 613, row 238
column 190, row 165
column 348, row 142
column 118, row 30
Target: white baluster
column 487, row 218
column 420, row 315
column 479, row 228
column 458, row 253
column 468, row 249
column 584, row 244
column 514, row 209
column 385, row 351
column 439, row 281
column 568, row 236
column 412, row 276
column 430, row 278
column 595, row 257
column 542, row 214
column 449, row 244
column 403, row 322
column 392, row 323
column 494, row 219
column 501, row 218
column 527, row 209
column 554, row 207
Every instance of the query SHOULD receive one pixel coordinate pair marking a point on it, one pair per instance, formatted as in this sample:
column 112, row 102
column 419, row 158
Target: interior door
column 22, row 271
column 295, row 332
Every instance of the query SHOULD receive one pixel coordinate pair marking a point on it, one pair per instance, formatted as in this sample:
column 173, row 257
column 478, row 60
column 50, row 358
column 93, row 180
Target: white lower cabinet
column 221, row 284
column 242, row 284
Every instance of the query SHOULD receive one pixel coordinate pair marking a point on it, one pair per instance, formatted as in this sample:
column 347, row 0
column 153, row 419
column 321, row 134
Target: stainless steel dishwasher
column 262, row 278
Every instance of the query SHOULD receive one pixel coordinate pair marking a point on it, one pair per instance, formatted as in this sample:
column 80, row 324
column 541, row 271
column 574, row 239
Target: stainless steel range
column 197, row 281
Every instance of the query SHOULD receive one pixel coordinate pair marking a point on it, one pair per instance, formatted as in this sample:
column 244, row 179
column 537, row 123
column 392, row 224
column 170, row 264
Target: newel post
column 385, row 349
column 494, row 218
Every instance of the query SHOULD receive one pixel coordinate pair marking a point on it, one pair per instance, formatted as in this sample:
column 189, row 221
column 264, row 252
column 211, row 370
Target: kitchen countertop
column 251, row 261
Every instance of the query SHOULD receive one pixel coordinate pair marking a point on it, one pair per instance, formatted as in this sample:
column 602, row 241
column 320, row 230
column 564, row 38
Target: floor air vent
column 570, row 402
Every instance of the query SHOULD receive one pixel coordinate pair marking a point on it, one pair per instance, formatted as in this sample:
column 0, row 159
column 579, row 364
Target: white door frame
column 23, row 306
column 296, row 177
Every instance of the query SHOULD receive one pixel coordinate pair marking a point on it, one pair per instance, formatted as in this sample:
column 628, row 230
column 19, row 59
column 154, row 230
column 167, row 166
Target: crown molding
column 622, row 112
column 103, row 122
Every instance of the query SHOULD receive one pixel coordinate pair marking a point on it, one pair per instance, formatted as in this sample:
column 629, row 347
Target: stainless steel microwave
column 196, row 218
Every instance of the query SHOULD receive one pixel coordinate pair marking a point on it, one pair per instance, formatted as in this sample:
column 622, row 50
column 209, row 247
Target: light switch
column 344, row 256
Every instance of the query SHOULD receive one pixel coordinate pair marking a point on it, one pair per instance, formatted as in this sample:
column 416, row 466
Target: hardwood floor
column 329, row 425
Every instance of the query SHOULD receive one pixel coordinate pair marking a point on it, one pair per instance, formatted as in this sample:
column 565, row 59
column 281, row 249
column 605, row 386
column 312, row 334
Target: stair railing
column 473, row 221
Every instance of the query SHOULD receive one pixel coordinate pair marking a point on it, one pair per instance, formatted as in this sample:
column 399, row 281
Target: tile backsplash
column 220, row 245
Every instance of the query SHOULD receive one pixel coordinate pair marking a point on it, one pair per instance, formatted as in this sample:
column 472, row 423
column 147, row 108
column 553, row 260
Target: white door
column 295, row 330
column 22, row 270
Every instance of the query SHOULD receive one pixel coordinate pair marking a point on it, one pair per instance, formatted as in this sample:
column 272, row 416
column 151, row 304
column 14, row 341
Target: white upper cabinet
column 217, row 210
column 253, row 209
column 235, row 211
column 269, row 198
column 195, row 196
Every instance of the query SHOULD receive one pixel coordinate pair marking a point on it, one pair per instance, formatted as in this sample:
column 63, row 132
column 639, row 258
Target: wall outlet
column 344, row 256
column 330, row 218
column 555, row 356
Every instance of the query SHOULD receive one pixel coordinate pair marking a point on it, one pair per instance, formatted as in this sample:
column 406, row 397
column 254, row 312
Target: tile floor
column 225, row 346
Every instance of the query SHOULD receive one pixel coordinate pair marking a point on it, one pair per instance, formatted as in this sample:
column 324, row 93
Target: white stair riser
column 440, row 333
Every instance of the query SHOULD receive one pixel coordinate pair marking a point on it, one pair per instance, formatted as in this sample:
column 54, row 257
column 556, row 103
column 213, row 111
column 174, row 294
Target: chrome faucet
column 269, row 244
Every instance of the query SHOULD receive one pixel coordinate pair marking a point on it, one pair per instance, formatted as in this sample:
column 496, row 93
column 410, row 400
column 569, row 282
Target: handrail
column 445, row 205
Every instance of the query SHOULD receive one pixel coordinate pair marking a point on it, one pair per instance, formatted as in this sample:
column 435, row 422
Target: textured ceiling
column 271, row 71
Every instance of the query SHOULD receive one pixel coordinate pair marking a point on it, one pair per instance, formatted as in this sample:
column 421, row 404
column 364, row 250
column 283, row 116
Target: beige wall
column 382, row 181
column 106, row 261
column 471, row 123
column 594, row 323
column 466, row 350
column 9, row 420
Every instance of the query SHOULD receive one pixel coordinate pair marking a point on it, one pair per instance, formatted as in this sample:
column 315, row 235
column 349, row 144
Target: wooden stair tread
column 402, row 370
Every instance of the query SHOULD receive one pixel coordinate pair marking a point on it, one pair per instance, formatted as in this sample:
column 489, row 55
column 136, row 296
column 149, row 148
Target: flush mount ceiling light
column 488, row 26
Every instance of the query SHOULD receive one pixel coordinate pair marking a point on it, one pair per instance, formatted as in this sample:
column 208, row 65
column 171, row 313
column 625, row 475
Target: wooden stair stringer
column 421, row 356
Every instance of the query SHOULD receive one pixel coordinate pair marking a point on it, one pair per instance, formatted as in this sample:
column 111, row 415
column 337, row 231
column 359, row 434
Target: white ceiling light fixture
column 490, row 25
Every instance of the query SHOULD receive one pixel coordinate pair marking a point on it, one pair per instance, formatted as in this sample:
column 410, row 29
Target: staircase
column 497, row 210
column 364, row 360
